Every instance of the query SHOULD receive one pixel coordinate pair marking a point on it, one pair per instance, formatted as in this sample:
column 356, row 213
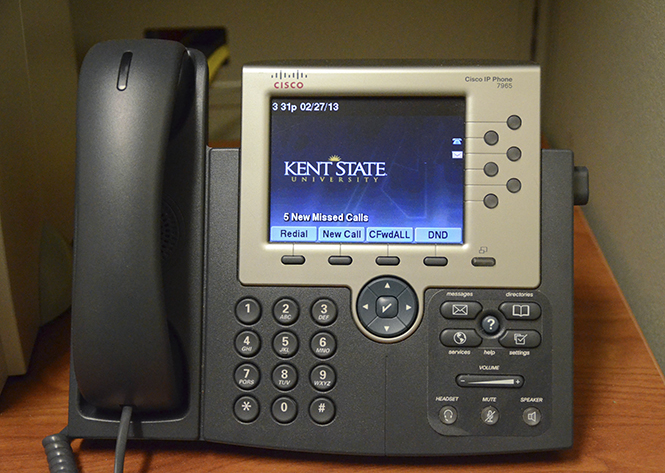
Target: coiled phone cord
column 60, row 455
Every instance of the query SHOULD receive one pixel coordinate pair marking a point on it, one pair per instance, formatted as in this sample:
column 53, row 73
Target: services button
column 460, row 338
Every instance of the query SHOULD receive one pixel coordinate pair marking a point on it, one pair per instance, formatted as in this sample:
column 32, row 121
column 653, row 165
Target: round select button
column 387, row 307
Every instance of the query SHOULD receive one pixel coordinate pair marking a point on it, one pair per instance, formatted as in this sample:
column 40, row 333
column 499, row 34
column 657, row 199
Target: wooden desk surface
column 619, row 405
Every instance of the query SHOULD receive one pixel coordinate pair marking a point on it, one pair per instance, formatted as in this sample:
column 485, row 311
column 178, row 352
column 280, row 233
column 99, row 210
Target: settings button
column 460, row 338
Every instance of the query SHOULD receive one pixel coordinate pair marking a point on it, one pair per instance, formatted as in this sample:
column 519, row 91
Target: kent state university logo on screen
column 335, row 169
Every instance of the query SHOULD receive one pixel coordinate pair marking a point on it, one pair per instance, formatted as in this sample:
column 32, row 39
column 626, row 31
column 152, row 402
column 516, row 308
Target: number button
column 324, row 312
column 248, row 311
column 248, row 343
column 322, row 378
column 247, row 376
column 246, row 409
column 284, row 410
column 285, row 344
column 284, row 377
column 323, row 345
column 285, row 311
column 322, row 410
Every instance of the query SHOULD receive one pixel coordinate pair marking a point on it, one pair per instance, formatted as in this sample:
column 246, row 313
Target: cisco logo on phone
column 288, row 80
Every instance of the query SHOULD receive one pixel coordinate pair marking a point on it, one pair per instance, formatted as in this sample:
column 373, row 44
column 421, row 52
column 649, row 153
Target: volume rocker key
column 489, row 381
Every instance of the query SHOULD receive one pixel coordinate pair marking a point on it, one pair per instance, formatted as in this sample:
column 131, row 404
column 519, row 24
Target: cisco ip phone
column 383, row 268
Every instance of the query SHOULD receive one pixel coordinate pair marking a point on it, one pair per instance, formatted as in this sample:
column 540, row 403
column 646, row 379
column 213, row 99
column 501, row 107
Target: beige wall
column 268, row 29
column 330, row 29
column 604, row 98
column 37, row 141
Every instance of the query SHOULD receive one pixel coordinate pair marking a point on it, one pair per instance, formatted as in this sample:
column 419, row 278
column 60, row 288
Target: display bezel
column 506, row 235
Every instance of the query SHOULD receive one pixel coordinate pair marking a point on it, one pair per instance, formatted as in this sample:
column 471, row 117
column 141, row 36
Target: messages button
column 460, row 310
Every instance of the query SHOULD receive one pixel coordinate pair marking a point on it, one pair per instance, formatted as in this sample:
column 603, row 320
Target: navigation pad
column 387, row 307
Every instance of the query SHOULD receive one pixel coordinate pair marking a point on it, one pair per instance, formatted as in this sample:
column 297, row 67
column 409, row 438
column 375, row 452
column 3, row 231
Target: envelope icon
column 460, row 309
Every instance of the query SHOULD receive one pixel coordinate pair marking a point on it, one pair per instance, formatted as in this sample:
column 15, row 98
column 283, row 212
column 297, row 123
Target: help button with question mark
column 490, row 324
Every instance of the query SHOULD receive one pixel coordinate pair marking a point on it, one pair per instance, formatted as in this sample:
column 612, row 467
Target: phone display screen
column 367, row 170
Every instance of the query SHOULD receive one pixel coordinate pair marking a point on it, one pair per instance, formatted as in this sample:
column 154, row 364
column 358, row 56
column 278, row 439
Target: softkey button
column 435, row 261
column 460, row 338
column 293, row 260
column 340, row 260
column 460, row 310
column 520, row 339
column 387, row 260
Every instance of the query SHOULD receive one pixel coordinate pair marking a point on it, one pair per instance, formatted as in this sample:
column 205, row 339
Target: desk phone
column 384, row 267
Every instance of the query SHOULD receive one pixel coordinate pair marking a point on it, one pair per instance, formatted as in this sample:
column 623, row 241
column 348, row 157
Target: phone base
column 489, row 370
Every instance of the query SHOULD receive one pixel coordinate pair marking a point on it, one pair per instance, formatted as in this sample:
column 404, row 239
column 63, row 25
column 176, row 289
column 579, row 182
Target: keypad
column 295, row 368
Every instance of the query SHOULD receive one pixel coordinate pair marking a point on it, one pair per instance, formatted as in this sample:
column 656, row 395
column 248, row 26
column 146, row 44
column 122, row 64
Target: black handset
column 137, row 290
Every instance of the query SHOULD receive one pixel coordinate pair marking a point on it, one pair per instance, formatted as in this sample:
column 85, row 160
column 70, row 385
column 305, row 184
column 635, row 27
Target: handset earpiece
column 131, row 94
